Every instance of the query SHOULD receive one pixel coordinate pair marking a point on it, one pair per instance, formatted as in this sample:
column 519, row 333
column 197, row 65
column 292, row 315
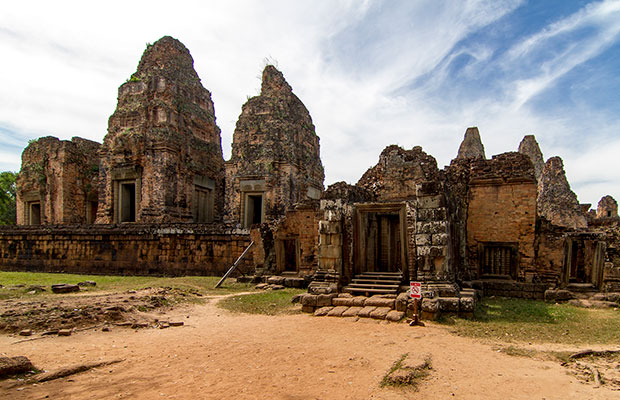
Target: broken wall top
column 556, row 201
column 275, row 127
column 398, row 172
column 347, row 193
column 77, row 154
column 505, row 167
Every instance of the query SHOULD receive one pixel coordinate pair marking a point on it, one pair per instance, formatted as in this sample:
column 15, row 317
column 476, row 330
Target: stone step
column 389, row 274
column 376, row 285
column 368, row 280
column 353, row 289
column 381, row 313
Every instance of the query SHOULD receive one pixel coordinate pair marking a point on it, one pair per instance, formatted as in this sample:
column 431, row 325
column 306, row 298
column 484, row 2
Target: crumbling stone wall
column 136, row 249
column 58, row 178
column 556, row 201
column 275, row 153
column 163, row 140
column 289, row 244
column 502, row 209
column 398, row 172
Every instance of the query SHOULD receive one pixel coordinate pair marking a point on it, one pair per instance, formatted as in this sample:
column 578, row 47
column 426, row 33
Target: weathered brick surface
column 276, row 148
column 163, row 137
column 60, row 175
column 163, row 249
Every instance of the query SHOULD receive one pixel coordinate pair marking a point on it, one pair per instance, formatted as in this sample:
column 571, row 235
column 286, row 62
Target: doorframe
column 360, row 244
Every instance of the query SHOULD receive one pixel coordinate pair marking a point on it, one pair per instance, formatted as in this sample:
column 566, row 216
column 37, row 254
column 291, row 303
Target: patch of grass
column 544, row 355
column 536, row 321
column 203, row 285
column 401, row 375
column 270, row 302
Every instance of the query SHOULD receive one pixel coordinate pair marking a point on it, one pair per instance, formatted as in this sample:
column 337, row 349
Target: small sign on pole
column 416, row 295
column 416, row 290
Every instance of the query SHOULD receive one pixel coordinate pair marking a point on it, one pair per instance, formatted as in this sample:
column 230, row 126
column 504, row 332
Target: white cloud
column 350, row 62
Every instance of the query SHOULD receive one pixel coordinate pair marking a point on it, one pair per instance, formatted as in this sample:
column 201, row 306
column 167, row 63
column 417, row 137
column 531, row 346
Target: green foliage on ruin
column 7, row 198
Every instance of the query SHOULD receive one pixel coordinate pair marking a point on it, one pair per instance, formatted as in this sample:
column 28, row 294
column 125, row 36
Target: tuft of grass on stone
column 520, row 320
column 401, row 375
column 269, row 302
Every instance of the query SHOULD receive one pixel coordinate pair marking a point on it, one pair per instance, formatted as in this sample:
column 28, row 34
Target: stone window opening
column 499, row 260
column 254, row 212
column 34, row 213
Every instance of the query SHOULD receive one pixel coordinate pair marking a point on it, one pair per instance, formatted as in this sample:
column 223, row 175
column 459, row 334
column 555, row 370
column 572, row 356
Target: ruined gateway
column 157, row 197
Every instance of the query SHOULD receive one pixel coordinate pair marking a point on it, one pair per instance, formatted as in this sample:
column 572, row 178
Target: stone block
column 65, row 288
column 467, row 304
column 430, row 201
column 276, row 280
column 359, row 301
column 14, row 366
column 439, row 239
column 401, row 301
column 294, row 282
column 343, row 301
column 430, row 305
column 352, row 312
column 337, row 311
column 330, row 251
column 379, row 302
column 380, row 312
column 449, row 304
column 309, row 300
column 395, row 316
column 423, row 239
column 365, row 311
column 558, row 295
column 323, row 300
column 345, row 295
column 320, row 312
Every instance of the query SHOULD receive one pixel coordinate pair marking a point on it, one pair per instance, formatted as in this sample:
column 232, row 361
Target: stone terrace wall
column 169, row 249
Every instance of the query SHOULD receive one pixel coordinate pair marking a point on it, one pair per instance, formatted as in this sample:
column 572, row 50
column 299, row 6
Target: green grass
column 199, row 284
column 400, row 375
column 536, row 321
column 270, row 302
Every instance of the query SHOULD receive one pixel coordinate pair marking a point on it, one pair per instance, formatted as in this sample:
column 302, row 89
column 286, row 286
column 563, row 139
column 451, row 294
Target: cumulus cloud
column 372, row 73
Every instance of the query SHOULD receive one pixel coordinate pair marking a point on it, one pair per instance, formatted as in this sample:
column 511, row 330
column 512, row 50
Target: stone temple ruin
column 157, row 197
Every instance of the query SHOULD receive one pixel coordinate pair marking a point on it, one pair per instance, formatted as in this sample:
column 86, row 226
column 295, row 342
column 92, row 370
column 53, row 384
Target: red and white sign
column 416, row 290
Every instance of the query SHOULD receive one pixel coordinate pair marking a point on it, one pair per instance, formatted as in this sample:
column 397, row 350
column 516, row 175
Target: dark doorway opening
column 254, row 209
column 290, row 254
column 34, row 213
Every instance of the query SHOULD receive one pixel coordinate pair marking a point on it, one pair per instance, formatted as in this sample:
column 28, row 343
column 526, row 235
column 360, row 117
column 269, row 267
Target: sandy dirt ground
column 221, row 355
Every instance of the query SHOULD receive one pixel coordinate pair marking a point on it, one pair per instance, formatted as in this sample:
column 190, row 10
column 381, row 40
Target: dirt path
column 219, row 355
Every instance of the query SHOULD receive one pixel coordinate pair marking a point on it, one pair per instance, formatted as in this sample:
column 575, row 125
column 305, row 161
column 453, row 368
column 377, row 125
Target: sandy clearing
column 220, row 355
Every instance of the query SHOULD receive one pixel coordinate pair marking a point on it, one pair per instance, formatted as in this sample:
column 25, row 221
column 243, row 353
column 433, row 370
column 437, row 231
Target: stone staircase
column 375, row 283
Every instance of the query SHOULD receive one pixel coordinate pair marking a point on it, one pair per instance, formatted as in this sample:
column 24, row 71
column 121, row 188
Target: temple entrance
column 379, row 239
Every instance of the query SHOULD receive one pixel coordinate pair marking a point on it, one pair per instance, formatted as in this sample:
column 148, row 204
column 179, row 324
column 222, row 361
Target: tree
column 7, row 198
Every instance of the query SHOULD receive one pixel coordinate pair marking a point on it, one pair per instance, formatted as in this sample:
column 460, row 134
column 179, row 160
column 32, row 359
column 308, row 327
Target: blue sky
column 372, row 73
